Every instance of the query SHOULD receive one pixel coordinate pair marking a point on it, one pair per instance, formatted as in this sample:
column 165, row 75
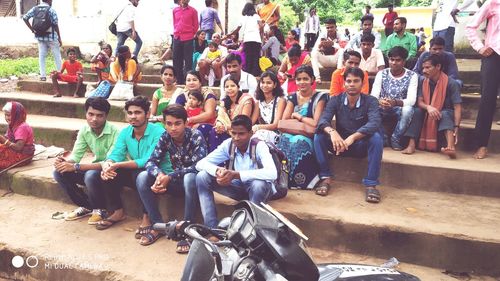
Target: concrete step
column 113, row 261
column 455, row 232
column 470, row 106
column 147, row 69
column 146, row 79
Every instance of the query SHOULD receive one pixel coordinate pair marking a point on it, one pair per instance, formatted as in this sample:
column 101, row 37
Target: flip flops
column 107, row 223
column 149, row 238
column 183, row 246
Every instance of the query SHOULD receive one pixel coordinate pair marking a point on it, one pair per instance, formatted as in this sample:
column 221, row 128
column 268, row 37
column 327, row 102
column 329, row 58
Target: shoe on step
column 78, row 213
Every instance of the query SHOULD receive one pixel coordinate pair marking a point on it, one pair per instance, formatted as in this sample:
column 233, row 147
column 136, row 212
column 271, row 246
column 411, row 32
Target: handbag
column 102, row 91
column 112, row 26
column 295, row 127
column 122, row 91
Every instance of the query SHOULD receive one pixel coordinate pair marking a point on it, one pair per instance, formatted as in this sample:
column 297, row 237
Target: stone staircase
column 435, row 212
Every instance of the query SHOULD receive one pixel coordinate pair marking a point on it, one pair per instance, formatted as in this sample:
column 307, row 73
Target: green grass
column 23, row 66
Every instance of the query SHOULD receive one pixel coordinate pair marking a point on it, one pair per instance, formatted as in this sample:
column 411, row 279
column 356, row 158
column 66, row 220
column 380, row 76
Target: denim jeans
column 149, row 199
column 208, row 34
column 372, row 146
column 91, row 179
column 122, row 37
column 43, row 49
column 449, row 37
column 256, row 191
column 403, row 115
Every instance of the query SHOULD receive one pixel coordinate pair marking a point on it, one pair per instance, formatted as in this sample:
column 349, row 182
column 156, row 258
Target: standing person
column 356, row 134
column 250, row 26
column 444, row 25
column 325, row 52
column 246, row 180
column 185, row 27
column 127, row 160
column 48, row 35
column 186, row 147
column 74, row 74
column 208, row 17
column 125, row 27
column 389, row 19
column 490, row 67
column 366, row 28
column 98, row 136
column 311, row 29
column 367, row 11
column 18, row 143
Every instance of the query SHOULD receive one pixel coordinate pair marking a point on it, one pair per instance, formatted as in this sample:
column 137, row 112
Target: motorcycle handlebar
column 192, row 231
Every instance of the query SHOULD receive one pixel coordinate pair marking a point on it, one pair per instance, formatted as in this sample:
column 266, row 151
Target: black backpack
column 41, row 21
column 279, row 159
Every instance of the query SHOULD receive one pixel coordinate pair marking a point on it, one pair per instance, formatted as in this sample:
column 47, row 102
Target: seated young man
column 186, row 147
column 366, row 28
column 356, row 134
column 351, row 59
column 99, row 137
column 124, row 164
column 439, row 110
column 326, row 50
column 246, row 182
column 448, row 59
column 396, row 89
column 73, row 74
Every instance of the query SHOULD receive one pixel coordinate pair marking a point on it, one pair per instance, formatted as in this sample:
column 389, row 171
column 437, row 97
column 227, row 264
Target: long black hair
column 227, row 100
column 248, row 10
column 122, row 60
column 277, row 91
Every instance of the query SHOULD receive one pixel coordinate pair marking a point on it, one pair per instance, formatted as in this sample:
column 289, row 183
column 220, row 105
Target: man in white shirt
column 248, row 83
column 125, row 27
column 366, row 27
column 211, row 70
column 245, row 180
column 311, row 29
column 444, row 25
column 396, row 89
column 326, row 51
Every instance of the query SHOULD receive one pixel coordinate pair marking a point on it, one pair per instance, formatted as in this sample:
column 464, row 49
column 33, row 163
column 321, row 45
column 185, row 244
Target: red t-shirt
column 71, row 68
column 389, row 19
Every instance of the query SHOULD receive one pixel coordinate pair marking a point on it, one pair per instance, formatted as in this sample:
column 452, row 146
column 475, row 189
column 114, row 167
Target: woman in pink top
column 17, row 144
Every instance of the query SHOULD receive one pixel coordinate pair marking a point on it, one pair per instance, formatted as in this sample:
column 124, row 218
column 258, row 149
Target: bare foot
column 409, row 150
column 449, row 151
column 481, row 153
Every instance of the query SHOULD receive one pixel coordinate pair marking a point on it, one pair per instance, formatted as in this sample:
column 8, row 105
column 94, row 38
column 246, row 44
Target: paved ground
column 112, row 254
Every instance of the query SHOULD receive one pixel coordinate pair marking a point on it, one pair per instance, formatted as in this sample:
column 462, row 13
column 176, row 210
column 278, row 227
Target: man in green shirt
column 132, row 150
column 98, row 136
column 402, row 38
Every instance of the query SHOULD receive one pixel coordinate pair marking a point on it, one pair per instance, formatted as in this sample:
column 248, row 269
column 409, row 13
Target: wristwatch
column 77, row 167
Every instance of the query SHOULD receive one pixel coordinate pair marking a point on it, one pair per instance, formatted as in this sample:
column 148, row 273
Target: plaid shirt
column 183, row 158
column 52, row 36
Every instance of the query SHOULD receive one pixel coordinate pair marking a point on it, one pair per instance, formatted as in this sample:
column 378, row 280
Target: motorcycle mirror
column 224, row 223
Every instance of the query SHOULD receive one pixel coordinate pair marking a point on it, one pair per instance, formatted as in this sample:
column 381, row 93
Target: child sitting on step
column 73, row 74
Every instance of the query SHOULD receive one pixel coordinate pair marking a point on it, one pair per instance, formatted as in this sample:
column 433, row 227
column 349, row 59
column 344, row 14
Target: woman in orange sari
column 17, row 144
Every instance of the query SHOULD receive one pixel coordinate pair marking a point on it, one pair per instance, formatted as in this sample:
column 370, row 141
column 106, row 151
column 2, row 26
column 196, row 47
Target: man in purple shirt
column 207, row 18
column 185, row 27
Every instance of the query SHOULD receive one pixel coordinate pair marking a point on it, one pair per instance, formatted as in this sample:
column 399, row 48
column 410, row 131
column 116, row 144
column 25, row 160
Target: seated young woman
column 269, row 109
column 17, row 145
column 235, row 103
column 125, row 68
column 165, row 95
column 100, row 63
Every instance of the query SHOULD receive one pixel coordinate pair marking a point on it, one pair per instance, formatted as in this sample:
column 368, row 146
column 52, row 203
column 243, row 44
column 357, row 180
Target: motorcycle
column 258, row 243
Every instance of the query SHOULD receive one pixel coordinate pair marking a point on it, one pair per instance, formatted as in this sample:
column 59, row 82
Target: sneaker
column 78, row 213
column 97, row 216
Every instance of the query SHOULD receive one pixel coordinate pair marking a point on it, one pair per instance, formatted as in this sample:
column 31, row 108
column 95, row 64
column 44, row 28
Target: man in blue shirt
column 49, row 39
column 448, row 60
column 135, row 142
column 186, row 147
column 246, row 182
column 207, row 18
column 357, row 133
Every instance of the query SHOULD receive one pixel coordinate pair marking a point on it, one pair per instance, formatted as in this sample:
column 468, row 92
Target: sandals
column 372, row 195
column 149, row 238
column 323, row 188
column 183, row 247
column 142, row 230
column 107, row 223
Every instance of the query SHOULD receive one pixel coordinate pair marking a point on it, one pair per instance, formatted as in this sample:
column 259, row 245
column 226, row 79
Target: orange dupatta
column 428, row 136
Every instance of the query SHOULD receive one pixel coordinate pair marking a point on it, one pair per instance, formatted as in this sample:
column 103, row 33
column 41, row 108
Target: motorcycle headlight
column 241, row 228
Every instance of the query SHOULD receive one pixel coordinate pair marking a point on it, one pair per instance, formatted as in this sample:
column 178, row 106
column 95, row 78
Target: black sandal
column 372, row 195
column 142, row 230
column 150, row 238
column 183, row 246
column 323, row 188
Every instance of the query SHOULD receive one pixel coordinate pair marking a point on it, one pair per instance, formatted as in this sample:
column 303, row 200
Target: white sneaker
column 78, row 213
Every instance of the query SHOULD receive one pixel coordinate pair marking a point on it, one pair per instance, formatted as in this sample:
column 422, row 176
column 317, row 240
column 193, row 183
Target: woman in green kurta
column 165, row 95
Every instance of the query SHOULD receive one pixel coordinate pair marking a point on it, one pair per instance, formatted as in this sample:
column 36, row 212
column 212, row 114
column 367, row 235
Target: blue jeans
column 187, row 186
column 256, row 191
column 449, row 37
column 403, row 115
column 122, row 37
column 208, row 34
column 43, row 49
column 372, row 146
column 91, row 179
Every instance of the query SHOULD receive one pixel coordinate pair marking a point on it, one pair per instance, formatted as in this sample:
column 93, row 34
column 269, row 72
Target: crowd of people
column 187, row 140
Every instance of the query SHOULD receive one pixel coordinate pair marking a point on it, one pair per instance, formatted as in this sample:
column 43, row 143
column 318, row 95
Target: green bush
column 23, row 66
